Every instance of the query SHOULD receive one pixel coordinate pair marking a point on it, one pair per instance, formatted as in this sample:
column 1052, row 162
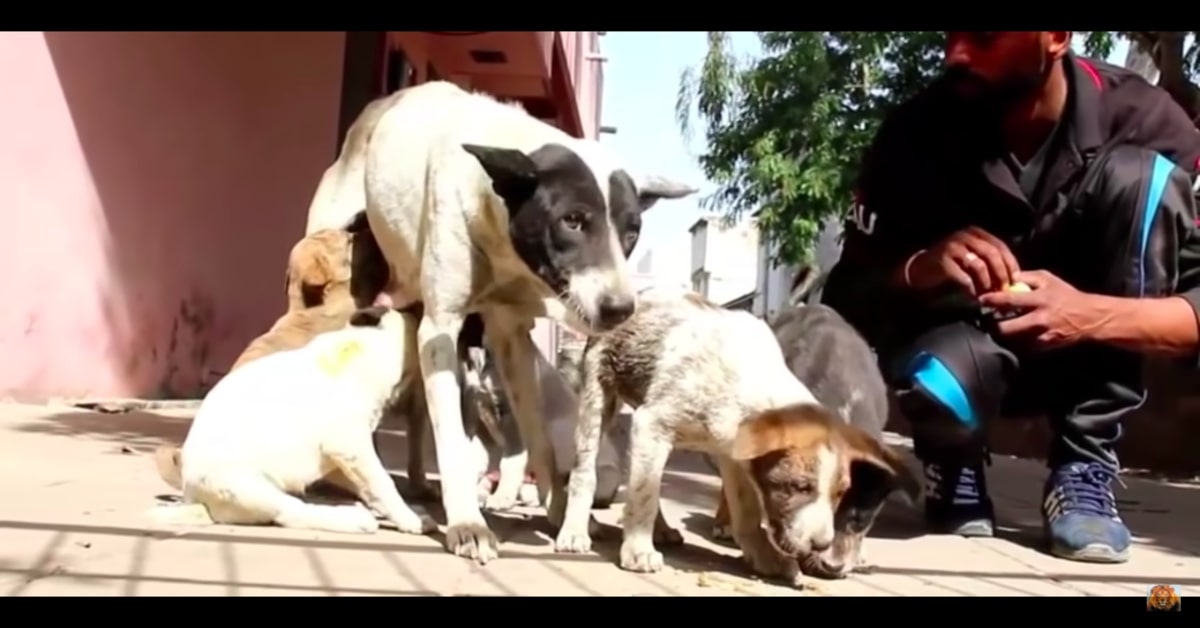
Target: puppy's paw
column 472, row 539
column 667, row 537
column 528, row 496
column 356, row 519
column 640, row 556
column 573, row 542
column 416, row 524
column 500, row 502
column 722, row 532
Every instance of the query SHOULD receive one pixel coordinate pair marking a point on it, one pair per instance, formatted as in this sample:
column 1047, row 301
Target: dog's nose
column 821, row 545
column 615, row 310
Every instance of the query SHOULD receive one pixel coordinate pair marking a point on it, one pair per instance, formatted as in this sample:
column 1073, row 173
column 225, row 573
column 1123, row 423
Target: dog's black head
column 369, row 316
column 574, row 223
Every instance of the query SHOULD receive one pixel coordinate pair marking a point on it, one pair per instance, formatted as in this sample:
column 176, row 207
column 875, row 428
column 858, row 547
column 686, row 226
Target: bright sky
column 641, row 80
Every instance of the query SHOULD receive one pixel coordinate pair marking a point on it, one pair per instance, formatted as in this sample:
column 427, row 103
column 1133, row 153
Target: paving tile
column 75, row 487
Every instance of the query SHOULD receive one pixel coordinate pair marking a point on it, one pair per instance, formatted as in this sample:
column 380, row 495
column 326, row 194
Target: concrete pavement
column 75, row 485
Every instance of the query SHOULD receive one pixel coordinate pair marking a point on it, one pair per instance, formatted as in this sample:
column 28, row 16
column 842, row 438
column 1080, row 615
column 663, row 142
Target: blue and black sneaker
column 957, row 502
column 1079, row 514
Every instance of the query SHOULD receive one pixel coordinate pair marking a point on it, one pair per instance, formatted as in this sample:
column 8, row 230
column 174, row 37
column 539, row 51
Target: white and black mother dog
column 481, row 208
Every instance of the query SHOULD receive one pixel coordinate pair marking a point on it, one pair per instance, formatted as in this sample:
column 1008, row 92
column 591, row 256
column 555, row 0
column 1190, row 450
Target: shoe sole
column 971, row 530
column 1094, row 553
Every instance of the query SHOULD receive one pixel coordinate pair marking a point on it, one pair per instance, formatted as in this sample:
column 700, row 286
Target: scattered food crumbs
column 84, row 544
column 709, row 579
column 126, row 449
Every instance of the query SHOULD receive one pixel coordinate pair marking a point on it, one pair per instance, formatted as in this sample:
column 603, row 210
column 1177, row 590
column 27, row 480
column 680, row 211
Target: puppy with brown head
column 713, row 380
column 800, row 460
column 832, row 359
column 336, row 266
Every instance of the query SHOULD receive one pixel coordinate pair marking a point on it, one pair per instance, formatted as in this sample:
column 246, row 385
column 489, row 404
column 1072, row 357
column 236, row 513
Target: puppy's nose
column 615, row 310
column 820, row 545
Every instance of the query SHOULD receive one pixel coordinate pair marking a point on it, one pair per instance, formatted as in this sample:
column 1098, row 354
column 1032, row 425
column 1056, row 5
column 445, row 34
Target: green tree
column 784, row 132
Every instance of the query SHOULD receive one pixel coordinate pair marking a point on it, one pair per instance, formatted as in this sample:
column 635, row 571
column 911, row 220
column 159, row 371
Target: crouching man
column 1024, row 164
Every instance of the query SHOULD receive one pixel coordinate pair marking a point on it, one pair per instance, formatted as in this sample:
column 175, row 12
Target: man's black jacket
column 933, row 170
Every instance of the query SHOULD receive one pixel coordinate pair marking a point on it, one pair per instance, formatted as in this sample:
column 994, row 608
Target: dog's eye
column 802, row 487
column 573, row 221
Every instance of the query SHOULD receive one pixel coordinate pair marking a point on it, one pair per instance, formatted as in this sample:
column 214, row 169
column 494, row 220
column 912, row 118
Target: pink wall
column 154, row 183
column 587, row 76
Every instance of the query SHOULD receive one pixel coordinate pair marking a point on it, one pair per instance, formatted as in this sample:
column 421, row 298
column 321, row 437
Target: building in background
column 774, row 282
column 723, row 258
column 155, row 182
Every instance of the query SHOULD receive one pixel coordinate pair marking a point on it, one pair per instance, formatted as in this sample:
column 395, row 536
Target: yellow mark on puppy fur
column 334, row 361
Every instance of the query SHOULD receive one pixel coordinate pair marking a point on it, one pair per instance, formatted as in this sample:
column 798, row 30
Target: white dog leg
column 467, row 533
column 596, row 407
column 649, row 450
column 252, row 499
column 362, row 467
column 516, row 356
column 512, row 478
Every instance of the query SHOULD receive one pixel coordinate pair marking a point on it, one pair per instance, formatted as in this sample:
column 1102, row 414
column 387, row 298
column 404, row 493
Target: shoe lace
column 1087, row 489
column 965, row 489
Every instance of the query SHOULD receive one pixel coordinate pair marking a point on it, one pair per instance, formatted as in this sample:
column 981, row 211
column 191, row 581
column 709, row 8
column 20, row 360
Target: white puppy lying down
column 280, row 423
column 704, row 378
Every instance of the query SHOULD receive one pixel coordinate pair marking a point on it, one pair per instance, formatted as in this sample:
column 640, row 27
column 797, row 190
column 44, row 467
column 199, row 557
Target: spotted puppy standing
column 479, row 207
column 713, row 380
column 280, row 423
column 832, row 359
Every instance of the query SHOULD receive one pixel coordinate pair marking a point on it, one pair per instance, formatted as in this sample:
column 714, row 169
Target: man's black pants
column 953, row 376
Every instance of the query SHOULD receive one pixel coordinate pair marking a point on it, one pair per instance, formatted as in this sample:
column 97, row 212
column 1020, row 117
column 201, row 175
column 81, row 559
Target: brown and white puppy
column 832, row 359
column 713, row 380
column 336, row 266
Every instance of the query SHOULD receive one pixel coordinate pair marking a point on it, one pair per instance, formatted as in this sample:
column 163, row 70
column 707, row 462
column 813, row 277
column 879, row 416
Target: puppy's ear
column 802, row 285
column 513, row 173
column 796, row 427
column 368, row 316
column 653, row 189
column 359, row 223
column 863, row 448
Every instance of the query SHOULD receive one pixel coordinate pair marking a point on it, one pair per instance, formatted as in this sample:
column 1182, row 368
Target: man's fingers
column 1004, row 254
column 961, row 277
column 978, row 271
column 1005, row 300
column 1034, row 279
column 996, row 266
column 1021, row 325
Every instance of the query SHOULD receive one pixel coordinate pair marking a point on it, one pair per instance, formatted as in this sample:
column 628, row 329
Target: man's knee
column 1136, row 202
column 949, row 385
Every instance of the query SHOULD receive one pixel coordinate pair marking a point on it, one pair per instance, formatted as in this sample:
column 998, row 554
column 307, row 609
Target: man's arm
column 877, row 240
column 1168, row 325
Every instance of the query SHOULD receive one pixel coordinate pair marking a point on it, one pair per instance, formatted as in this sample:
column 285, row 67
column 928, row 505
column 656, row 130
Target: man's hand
column 1053, row 313
column 972, row 258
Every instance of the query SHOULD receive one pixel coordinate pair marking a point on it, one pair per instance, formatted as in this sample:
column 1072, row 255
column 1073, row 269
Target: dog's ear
column 514, row 175
column 359, row 223
column 797, row 427
column 653, row 189
column 368, row 316
column 863, row 448
column 803, row 283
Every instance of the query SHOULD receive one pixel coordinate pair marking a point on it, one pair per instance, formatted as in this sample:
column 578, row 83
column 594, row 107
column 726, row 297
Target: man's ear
column 513, row 173
column 653, row 189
